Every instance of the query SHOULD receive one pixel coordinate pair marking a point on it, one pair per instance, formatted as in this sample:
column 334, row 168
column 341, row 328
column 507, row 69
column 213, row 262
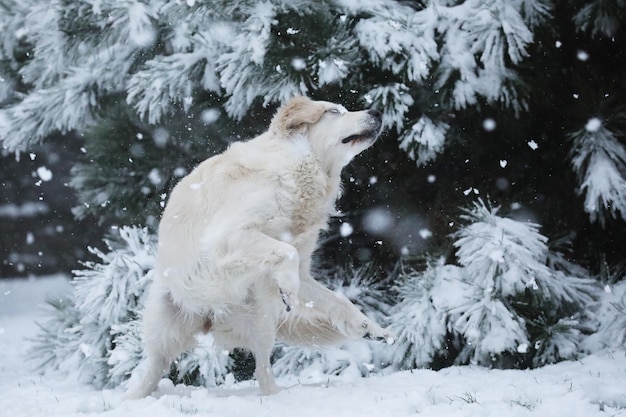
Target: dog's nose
column 375, row 114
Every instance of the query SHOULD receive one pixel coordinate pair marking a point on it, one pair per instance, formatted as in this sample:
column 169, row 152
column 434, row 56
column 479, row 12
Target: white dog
column 236, row 239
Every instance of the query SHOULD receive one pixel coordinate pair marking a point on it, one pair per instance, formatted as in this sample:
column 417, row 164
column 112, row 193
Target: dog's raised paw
column 289, row 300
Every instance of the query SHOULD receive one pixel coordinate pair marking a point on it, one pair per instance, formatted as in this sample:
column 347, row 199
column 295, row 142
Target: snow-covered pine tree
column 506, row 261
column 96, row 334
column 510, row 298
column 165, row 56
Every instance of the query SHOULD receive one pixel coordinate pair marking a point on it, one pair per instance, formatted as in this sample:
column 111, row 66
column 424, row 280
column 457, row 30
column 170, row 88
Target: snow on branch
column 599, row 161
column 535, row 12
column 166, row 54
column 501, row 255
column 240, row 67
column 400, row 40
column 66, row 105
column 482, row 43
column 166, row 80
column 601, row 17
column 394, row 100
column 420, row 320
column 425, row 140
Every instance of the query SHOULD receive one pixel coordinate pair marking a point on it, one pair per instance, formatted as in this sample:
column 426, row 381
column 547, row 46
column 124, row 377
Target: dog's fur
column 236, row 239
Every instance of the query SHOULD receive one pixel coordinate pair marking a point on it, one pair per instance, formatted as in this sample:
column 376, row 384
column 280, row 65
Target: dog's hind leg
column 262, row 349
column 260, row 335
column 167, row 333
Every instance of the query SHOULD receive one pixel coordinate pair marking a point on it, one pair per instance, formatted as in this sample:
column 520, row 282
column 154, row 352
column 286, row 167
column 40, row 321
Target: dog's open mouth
column 361, row 137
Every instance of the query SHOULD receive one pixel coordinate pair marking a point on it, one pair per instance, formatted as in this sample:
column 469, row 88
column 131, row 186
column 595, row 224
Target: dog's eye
column 333, row 111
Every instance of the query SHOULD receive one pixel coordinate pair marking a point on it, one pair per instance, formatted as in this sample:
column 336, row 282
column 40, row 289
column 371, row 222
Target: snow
column 155, row 176
column 346, row 229
column 210, row 115
column 470, row 190
column 425, row 233
column 331, row 70
column 489, row 124
column 140, row 29
column 28, row 209
column 592, row 386
column 298, row 64
column 378, row 220
column 593, row 125
column 582, row 55
column 44, row 173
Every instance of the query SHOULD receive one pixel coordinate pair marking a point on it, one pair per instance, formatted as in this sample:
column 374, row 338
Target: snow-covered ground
column 593, row 386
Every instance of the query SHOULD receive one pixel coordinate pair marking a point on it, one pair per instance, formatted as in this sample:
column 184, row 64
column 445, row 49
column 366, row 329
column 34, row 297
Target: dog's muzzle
column 372, row 129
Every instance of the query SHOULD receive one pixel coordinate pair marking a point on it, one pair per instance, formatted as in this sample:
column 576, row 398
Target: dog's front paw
column 375, row 332
column 289, row 299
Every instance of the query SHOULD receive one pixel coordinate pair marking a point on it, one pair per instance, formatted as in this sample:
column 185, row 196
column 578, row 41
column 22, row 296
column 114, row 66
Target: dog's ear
column 292, row 117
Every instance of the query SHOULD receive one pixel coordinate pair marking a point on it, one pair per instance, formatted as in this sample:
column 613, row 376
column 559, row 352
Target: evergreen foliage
column 420, row 319
column 505, row 301
column 599, row 160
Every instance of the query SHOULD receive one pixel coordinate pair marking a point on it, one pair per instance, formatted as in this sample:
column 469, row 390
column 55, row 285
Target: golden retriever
column 236, row 239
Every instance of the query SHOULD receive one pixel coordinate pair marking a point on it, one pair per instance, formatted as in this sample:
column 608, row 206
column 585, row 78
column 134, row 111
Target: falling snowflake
column 489, row 125
column 345, row 229
column 593, row 125
column 44, row 173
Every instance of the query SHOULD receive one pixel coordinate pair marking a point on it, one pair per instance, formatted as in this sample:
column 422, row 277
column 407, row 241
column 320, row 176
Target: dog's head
column 335, row 134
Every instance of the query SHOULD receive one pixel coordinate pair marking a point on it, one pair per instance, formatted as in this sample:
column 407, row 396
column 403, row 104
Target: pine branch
column 599, row 161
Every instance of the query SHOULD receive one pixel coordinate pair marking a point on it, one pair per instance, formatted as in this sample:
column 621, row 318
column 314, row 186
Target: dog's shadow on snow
column 254, row 391
column 241, row 389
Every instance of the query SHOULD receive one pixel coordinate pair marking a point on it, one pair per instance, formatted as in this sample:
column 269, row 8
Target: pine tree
column 494, row 306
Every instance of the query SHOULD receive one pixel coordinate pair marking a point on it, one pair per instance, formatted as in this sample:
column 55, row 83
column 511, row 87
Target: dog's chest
column 304, row 197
